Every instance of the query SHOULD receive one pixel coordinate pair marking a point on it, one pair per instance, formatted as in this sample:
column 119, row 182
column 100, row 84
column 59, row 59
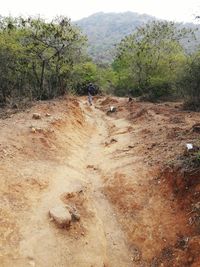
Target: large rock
column 61, row 216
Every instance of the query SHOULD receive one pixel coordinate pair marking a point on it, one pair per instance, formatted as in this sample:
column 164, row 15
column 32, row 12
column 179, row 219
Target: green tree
column 37, row 58
column 190, row 82
column 147, row 61
column 54, row 47
column 107, row 79
column 84, row 73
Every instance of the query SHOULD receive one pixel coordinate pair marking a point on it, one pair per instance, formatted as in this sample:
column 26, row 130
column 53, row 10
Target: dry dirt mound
column 109, row 101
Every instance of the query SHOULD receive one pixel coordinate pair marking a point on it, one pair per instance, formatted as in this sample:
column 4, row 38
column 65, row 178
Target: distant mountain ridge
column 105, row 30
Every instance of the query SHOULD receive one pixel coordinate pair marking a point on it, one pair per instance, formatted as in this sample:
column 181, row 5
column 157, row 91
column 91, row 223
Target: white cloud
column 177, row 10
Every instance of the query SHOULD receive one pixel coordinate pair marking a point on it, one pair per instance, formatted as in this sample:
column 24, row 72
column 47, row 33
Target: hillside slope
column 104, row 30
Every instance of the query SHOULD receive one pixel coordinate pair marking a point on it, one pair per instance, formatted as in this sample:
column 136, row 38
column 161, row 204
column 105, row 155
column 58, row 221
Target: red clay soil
column 127, row 173
column 159, row 201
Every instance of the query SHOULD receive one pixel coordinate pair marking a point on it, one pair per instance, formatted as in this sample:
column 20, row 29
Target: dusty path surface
column 134, row 212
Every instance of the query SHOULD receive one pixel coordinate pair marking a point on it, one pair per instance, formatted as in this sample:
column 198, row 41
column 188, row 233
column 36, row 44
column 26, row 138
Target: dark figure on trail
column 91, row 92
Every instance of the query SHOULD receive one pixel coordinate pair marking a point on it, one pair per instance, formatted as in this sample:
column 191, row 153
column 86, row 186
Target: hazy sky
column 178, row 10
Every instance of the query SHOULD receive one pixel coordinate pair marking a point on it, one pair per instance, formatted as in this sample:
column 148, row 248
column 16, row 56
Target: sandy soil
column 122, row 171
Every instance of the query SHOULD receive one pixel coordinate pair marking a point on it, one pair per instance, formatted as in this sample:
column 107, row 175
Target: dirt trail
column 109, row 168
column 117, row 252
column 99, row 241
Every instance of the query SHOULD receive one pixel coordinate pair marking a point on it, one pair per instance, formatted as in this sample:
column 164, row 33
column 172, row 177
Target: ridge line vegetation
column 41, row 60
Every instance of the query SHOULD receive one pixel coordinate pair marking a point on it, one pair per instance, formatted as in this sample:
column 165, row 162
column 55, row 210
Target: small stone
column 36, row 116
column 48, row 115
column 5, row 152
column 197, row 206
column 76, row 216
column 61, row 216
column 33, row 130
column 74, row 213
column 136, row 255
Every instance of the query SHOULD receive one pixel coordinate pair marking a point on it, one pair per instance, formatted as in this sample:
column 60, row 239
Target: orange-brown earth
column 125, row 172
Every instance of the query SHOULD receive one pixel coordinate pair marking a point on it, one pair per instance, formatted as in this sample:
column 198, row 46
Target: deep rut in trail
column 117, row 252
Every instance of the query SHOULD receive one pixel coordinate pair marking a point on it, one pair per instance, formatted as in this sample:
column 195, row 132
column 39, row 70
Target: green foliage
column 37, row 58
column 149, row 60
column 107, row 79
column 82, row 75
column 103, row 77
column 105, row 30
column 41, row 60
column 190, row 82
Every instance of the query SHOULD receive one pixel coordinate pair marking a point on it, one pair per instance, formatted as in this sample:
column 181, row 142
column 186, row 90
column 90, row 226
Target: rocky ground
column 128, row 184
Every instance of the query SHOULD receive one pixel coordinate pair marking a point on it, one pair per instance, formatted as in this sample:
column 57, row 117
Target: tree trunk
column 42, row 79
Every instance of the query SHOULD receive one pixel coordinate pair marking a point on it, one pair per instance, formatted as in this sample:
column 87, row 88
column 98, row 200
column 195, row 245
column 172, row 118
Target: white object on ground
column 112, row 109
column 189, row 146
